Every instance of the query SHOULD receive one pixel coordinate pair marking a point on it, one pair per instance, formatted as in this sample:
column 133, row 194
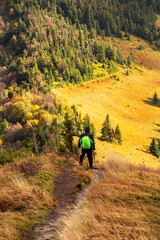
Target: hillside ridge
column 68, row 195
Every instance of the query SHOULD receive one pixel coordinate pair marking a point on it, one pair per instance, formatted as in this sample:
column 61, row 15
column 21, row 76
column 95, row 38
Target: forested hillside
column 111, row 17
column 52, row 44
column 43, row 42
column 40, row 47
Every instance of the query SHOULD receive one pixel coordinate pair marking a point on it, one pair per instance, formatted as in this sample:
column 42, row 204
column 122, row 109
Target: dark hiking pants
column 89, row 155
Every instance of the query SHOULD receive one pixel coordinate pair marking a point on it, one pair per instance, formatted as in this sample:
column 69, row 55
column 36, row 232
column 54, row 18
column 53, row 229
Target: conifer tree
column 87, row 123
column 79, row 124
column 67, row 132
column 154, row 148
column 77, row 121
column 129, row 60
column 127, row 72
column 159, row 145
column 60, row 109
column 155, row 98
column 56, row 130
column 107, row 130
column 118, row 135
column 107, row 30
column 35, row 143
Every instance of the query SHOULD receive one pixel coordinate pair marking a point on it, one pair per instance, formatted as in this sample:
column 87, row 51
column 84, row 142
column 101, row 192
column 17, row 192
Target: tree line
column 112, row 17
column 38, row 124
column 48, row 42
column 35, row 124
column 106, row 17
column 46, row 47
column 109, row 134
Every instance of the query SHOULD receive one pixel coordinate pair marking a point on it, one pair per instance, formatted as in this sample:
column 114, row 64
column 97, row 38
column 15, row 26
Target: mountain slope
column 124, row 204
column 43, row 43
column 48, row 47
column 129, row 103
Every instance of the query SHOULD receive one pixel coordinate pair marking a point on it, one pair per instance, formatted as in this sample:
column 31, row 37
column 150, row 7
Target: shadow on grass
column 101, row 139
column 158, row 130
column 146, row 150
column 150, row 102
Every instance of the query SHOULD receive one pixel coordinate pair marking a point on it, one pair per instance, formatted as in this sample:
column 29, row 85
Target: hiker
column 87, row 141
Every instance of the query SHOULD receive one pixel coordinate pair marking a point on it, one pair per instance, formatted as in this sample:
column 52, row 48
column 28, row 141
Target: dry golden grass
column 26, row 192
column 124, row 204
column 147, row 57
column 85, row 176
column 128, row 103
column 26, row 188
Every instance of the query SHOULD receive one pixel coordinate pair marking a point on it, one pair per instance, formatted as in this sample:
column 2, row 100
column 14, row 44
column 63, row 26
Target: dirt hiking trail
column 65, row 185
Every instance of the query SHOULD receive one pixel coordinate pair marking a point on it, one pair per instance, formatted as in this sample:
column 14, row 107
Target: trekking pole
column 94, row 157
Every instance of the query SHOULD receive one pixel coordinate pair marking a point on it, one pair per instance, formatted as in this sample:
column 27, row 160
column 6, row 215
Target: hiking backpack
column 86, row 142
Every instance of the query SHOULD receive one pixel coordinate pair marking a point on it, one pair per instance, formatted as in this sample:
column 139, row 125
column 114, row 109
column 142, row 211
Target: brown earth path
column 65, row 185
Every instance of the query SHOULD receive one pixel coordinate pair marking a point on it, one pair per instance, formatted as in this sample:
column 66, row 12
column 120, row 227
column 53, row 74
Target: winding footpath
column 65, row 185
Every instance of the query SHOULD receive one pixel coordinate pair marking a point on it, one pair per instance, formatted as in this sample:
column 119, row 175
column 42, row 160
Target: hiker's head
column 87, row 130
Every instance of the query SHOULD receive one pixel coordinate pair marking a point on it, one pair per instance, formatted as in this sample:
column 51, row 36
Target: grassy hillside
column 141, row 52
column 45, row 50
column 129, row 103
column 26, row 192
column 124, row 204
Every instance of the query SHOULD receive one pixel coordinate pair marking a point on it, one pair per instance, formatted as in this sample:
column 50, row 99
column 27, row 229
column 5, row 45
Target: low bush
column 6, row 157
column 9, row 156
